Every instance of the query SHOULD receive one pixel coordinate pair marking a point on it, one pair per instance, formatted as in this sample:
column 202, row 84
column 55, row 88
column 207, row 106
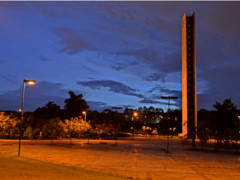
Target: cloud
column 113, row 86
column 39, row 95
column 147, row 33
column 224, row 18
column 175, row 103
column 150, row 97
column 126, row 106
column 44, row 59
column 35, row 96
column 159, row 88
column 63, row 9
column 155, row 77
column 92, row 70
column 72, row 41
column 158, row 91
column 133, row 11
column 121, row 66
column 164, row 60
column 149, row 101
column 10, row 79
column 14, row 5
column 222, row 84
column 99, row 106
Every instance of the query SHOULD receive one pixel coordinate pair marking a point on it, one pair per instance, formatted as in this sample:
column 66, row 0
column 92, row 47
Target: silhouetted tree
column 226, row 120
column 226, row 114
column 205, row 126
column 41, row 116
column 74, row 105
column 112, row 123
column 128, row 115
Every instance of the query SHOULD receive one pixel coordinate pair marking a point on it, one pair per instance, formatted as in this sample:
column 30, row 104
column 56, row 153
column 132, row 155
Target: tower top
column 189, row 15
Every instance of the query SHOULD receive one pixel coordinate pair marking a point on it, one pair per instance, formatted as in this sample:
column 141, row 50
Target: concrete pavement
column 143, row 158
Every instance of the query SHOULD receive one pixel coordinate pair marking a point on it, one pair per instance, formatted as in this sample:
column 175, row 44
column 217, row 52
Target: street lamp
column 85, row 115
column 239, row 124
column 168, row 98
column 29, row 82
column 135, row 114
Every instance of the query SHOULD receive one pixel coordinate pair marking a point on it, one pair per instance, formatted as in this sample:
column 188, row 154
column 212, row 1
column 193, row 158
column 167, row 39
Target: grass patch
column 12, row 167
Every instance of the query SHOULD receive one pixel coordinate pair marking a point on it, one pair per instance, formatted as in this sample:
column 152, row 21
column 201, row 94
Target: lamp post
column 85, row 115
column 135, row 114
column 239, row 125
column 168, row 98
column 30, row 82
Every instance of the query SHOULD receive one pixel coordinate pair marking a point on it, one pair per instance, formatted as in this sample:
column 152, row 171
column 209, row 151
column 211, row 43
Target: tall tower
column 189, row 89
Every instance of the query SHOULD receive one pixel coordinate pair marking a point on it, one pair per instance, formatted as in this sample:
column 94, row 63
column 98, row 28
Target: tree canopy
column 75, row 105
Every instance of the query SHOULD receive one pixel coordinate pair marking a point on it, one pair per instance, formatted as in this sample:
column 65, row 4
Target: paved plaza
column 142, row 158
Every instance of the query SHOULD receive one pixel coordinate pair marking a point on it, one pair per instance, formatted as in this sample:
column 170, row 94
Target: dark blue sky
column 115, row 53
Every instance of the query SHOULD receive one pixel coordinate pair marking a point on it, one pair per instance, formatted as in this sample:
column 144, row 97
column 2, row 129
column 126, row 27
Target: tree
column 8, row 125
column 30, row 133
column 75, row 105
column 205, row 125
column 226, row 119
column 75, row 127
column 112, row 123
column 50, row 129
column 41, row 116
column 226, row 114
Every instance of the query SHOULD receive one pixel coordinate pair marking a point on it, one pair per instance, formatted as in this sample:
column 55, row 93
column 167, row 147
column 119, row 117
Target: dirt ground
column 142, row 158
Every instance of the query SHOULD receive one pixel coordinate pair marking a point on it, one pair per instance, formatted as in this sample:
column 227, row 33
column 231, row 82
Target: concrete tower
column 189, row 89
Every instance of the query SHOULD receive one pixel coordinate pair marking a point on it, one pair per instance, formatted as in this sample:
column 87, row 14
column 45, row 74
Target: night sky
column 124, row 54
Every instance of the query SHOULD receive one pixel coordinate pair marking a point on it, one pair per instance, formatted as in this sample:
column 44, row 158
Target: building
column 189, row 90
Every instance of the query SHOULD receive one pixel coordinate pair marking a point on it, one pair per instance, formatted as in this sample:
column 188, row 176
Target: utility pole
column 168, row 98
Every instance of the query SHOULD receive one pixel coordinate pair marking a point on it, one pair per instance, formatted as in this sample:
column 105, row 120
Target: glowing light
column 135, row 114
column 30, row 82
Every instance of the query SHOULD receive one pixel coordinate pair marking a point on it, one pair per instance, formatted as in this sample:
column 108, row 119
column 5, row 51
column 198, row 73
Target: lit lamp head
column 84, row 112
column 135, row 114
column 30, row 82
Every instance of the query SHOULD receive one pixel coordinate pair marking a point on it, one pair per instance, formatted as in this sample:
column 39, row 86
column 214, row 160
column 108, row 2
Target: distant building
column 189, row 90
